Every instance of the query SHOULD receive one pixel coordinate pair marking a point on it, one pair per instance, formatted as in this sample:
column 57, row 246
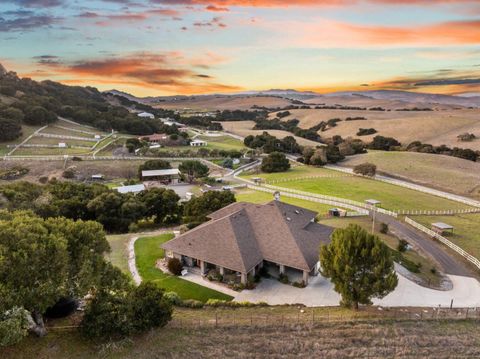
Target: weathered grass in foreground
column 333, row 336
column 148, row 251
column 359, row 189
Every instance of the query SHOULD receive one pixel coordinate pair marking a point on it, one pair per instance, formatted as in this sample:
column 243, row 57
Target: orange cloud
column 326, row 33
column 164, row 72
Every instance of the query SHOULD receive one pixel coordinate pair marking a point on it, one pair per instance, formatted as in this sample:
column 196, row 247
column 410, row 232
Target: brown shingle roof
column 241, row 235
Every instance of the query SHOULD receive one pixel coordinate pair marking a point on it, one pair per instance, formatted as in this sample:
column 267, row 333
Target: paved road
column 448, row 263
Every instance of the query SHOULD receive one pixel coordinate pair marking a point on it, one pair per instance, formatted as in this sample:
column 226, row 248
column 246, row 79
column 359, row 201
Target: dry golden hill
column 244, row 128
column 446, row 173
column 434, row 127
column 210, row 103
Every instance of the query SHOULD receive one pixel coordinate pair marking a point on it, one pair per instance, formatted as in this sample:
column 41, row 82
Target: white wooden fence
column 416, row 187
column 445, row 241
column 66, row 137
column 359, row 211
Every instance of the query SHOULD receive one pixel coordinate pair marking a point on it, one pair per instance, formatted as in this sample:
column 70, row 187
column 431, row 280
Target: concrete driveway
column 320, row 292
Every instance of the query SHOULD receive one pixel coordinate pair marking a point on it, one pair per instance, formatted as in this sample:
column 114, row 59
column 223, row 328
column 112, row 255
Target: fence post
column 216, row 319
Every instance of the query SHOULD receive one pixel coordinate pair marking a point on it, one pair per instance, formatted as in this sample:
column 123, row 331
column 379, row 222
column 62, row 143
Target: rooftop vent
column 289, row 219
column 297, row 211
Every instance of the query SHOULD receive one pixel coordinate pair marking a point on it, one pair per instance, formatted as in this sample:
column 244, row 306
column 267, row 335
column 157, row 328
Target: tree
column 153, row 165
column 107, row 210
column 39, row 116
column 33, row 266
column 193, row 169
column 148, row 307
column 275, row 162
column 198, row 208
column 161, row 203
column 45, row 260
column 359, row 265
column 174, row 266
column 365, row 169
column 9, row 129
column 13, row 326
column 319, row 157
column 384, row 143
column 113, row 314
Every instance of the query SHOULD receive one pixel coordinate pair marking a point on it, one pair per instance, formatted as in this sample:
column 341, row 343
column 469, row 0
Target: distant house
column 198, row 143
column 62, row 145
column 136, row 188
column 146, row 115
column 442, row 228
column 241, row 238
column 166, row 176
column 97, row 177
column 155, row 138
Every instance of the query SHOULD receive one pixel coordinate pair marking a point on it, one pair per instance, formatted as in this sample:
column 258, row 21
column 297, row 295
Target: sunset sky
column 165, row 47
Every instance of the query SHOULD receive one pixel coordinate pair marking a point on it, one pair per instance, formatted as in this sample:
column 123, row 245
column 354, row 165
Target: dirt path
column 132, row 265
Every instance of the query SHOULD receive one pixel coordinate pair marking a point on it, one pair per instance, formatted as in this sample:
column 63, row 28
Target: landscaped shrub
column 173, row 298
column 236, row 286
column 283, row 278
column 192, row 303
column 402, row 245
column 299, row 284
column 214, row 275
column 384, row 228
column 174, row 266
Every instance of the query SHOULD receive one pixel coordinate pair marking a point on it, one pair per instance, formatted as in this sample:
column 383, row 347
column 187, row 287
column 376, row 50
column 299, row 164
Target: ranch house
column 243, row 237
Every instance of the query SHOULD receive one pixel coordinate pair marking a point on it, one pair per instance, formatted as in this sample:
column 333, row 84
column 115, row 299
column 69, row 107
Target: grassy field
column 466, row 233
column 248, row 195
column 447, row 173
column 359, row 189
column 425, row 264
column 37, row 140
column 26, row 131
column 222, row 142
column 50, row 151
column 435, row 127
column 118, row 255
column 148, row 251
column 327, row 339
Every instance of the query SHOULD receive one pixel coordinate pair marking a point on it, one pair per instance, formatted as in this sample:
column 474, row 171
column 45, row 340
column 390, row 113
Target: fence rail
column 66, row 137
column 416, row 187
column 359, row 211
column 444, row 240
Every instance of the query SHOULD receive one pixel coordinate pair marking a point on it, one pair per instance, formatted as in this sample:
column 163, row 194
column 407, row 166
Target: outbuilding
column 165, row 176
column 198, row 143
column 441, row 228
column 136, row 188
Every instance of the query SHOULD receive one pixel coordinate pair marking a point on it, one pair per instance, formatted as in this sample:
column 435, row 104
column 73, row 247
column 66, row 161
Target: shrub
column 366, row 131
column 433, row 270
column 365, row 169
column 213, row 275
column 192, row 303
column 402, row 245
column 283, row 278
column 300, row 284
column 68, row 173
column 76, row 158
column 384, row 228
column 13, row 173
column 174, row 266
column 13, row 326
column 43, row 179
column 173, row 298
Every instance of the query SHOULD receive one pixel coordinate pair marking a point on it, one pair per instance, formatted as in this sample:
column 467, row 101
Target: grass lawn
column 391, row 241
column 118, row 255
column 222, row 142
column 359, row 189
column 250, row 195
column 466, row 233
column 37, row 140
column 148, row 251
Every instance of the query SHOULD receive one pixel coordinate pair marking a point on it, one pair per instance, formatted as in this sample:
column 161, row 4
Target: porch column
column 202, row 267
column 253, row 272
column 222, row 270
column 281, row 269
column 305, row 277
column 243, row 278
